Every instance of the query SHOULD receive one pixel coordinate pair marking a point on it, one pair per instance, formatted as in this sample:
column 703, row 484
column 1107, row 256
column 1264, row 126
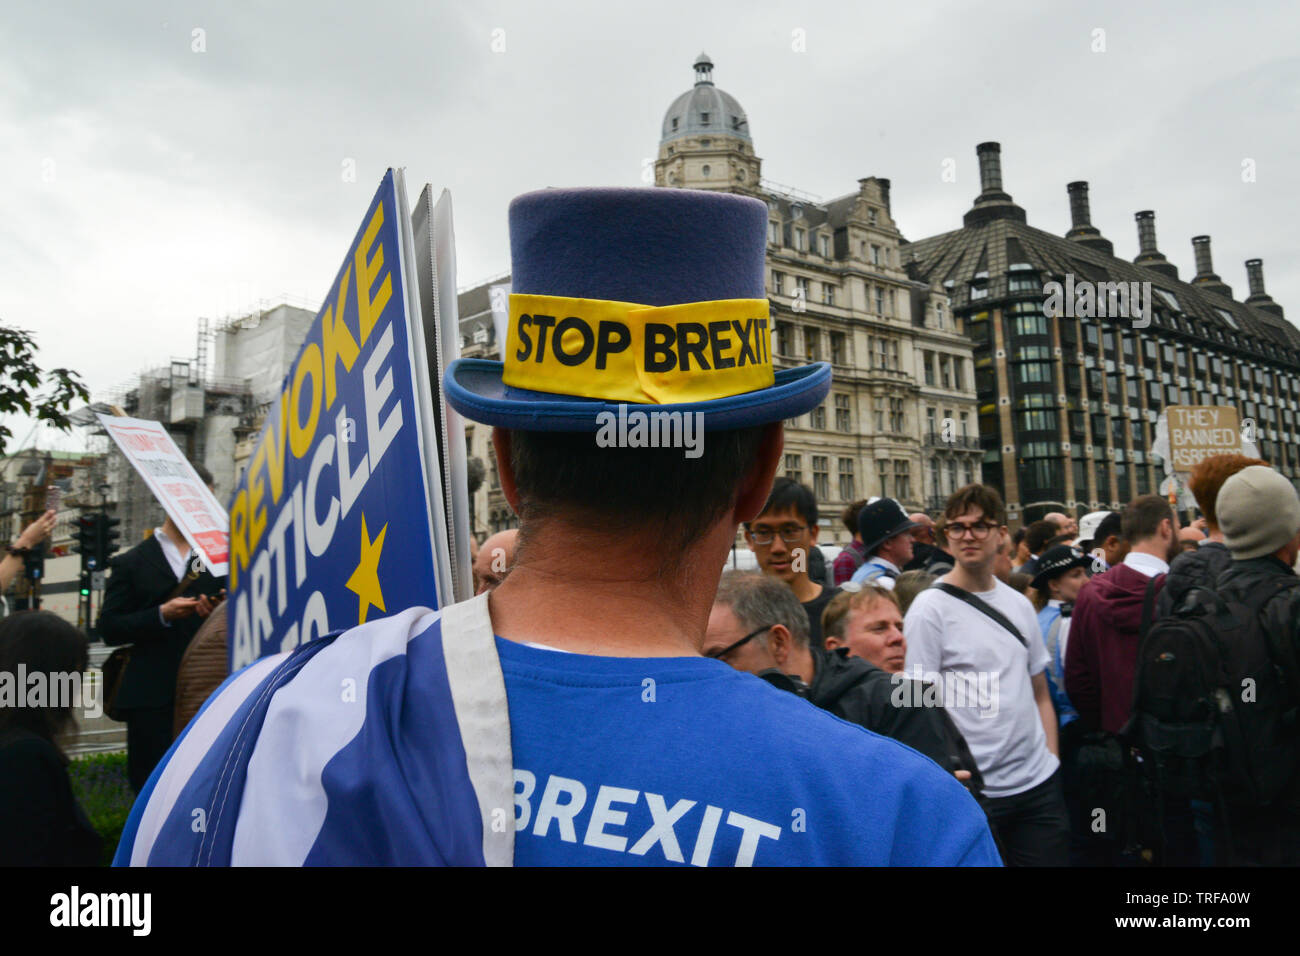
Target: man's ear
column 780, row 643
column 812, row 532
column 831, row 641
column 501, row 444
column 756, row 485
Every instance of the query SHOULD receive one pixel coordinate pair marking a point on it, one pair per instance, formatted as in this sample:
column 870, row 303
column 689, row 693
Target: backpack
column 1213, row 710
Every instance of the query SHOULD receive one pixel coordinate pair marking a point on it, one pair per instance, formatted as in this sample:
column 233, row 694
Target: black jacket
column 139, row 582
column 1199, row 568
column 41, row 823
column 861, row 693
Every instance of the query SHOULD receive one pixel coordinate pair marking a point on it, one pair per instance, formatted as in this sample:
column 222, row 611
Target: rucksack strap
column 478, row 693
column 983, row 607
column 1148, row 605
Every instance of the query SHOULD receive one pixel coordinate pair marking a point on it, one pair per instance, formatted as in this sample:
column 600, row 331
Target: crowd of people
column 1113, row 690
column 1029, row 646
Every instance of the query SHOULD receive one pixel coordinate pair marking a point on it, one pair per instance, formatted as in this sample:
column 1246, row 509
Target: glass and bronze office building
column 1068, row 403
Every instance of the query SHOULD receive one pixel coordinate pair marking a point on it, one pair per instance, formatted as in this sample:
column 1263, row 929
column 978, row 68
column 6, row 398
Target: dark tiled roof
column 996, row 245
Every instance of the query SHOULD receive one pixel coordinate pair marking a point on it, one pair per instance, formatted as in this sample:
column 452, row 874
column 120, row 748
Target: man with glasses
column 782, row 537
column 971, row 630
column 757, row 626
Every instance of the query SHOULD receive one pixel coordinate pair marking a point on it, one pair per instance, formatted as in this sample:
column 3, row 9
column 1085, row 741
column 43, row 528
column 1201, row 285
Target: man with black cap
column 568, row 716
column 1062, row 572
column 884, row 528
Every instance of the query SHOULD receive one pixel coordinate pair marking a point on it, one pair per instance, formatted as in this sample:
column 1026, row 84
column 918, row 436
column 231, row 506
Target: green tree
column 26, row 389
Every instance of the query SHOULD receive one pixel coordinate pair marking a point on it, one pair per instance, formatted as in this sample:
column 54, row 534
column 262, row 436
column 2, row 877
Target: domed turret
column 704, row 109
column 708, row 126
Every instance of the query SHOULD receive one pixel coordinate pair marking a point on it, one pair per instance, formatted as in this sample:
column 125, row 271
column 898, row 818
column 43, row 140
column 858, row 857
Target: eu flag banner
column 336, row 520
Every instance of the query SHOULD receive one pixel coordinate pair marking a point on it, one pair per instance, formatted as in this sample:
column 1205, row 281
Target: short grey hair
column 758, row 600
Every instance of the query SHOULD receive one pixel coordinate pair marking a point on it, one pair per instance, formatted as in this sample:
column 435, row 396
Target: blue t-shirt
column 624, row 761
column 348, row 751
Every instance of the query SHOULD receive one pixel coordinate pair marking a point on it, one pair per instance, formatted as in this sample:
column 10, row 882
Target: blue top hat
column 647, row 296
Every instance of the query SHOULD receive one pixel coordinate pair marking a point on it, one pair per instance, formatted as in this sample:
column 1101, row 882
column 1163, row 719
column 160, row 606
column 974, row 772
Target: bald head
column 923, row 533
column 1063, row 521
column 495, row 558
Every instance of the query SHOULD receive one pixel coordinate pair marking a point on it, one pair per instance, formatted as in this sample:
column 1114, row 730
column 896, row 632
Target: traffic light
column 87, row 544
column 108, row 535
column 34, row 563
column 85, row 583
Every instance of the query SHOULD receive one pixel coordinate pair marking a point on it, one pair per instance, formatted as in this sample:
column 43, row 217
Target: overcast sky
column 152, row 174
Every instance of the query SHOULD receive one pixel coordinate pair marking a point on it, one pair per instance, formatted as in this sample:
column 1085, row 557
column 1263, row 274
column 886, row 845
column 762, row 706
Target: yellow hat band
column 626, row 352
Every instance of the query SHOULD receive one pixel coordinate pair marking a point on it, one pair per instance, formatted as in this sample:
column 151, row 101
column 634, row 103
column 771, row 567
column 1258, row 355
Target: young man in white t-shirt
column 993, row 683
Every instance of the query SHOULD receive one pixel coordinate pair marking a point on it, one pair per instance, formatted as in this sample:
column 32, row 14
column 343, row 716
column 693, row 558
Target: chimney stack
column 1081, row 228
column 1148, row 255
column 1258, row 297
column 1205, row 277
column 990, row 157
column 1080, row 215
column 884, row 192
column 992, row 203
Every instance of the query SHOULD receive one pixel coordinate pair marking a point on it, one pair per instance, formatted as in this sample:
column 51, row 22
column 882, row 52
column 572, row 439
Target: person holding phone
column 158, row 596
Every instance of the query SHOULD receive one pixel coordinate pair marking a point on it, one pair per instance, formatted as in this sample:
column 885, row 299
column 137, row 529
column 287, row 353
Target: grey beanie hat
column 1259, row 512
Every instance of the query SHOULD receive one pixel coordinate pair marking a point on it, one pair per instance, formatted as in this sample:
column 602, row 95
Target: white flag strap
column 478, row 692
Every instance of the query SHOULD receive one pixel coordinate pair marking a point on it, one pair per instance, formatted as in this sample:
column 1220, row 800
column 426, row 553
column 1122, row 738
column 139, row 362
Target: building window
column 938, row 315
column 801, row 287
column 674, row 124
column 928, row 359
column 828, row 293
column 1031, row 325
column 837, row 348
column 704, row 117
column 902, row 480
column 930, row 428
column 952, row 476
column 801, row 240
column 843, row 414
column 847, row 490
column 969, row 471
column 957, row 363
column 812, row 343
column 1033, row 372
column 875, row 254
column 824, row 242
column 778, row 282
column 794, row 467
column 880, row 419
column 882, row 356
column 705, row 170
column 784, row 343
column 774, row 232
column 897, row 419
column 817, row 418
column 883, row 467
column 965, row 424
column 945, row 371
column 821, row 477
column 872, row 216
column 492, row 468
column 1024, row 282
column 935, row 488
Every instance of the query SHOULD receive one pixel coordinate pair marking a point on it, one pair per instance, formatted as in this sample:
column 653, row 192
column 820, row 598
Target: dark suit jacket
column 138, row 583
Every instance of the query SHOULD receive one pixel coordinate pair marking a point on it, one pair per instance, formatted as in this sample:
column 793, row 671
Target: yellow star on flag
column 365, row 579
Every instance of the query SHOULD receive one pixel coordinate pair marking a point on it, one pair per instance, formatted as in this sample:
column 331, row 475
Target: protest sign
column 336, row 520
column 171, row 478
column 1199, row 431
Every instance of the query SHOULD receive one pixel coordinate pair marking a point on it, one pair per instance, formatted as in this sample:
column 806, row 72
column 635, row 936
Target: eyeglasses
column 789, row 533
column 748, row 637
column 979, row 530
